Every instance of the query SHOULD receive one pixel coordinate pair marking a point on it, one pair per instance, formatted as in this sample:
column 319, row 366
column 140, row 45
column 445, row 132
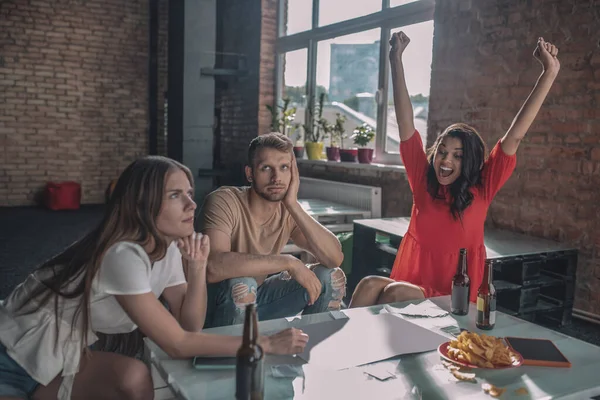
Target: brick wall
column 237, row 97
column 241, row 102
column 483, row 70
column 163, row 70
column 73, row 89
column 267, row 64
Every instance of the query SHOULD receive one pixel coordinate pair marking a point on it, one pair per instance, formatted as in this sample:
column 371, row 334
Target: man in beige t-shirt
column 248, row 227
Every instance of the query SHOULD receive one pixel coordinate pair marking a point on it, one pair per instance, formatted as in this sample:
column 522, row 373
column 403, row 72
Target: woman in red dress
column 452, row 188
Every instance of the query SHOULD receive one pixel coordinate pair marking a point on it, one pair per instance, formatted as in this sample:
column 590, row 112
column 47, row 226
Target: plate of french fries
column 472, row 350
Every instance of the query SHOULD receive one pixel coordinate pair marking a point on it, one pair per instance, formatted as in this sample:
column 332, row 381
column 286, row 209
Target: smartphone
column 214, row 363
column 452, row 330
column 539, row 352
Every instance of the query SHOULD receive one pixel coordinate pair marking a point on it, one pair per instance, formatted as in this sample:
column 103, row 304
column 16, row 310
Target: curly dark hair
column 474, row 155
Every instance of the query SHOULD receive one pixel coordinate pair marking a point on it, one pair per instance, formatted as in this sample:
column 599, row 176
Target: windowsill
column 373, row 166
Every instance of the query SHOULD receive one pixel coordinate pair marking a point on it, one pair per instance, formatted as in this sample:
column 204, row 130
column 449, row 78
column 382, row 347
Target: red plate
column 443, row 351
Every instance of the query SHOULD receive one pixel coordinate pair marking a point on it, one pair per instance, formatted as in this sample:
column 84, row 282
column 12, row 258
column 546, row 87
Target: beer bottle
column 461, row 285
column 249, row 361
column 486, row 299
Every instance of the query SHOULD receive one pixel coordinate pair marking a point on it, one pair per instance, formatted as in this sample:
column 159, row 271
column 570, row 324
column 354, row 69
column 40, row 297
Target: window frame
column 387, row 19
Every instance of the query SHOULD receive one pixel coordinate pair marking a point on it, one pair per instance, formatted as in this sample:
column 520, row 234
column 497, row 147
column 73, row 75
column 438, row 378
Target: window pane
column 348, row 72
column 394, row 3
column 332, row 11
column 417, row 68
column 297, row 16
column 294, row 89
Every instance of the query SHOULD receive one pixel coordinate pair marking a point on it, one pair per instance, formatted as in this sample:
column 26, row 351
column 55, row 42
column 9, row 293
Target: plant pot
column 333, row 153
column 365, row 156
column 314, row 150
column 299, row 152
column 348, row 155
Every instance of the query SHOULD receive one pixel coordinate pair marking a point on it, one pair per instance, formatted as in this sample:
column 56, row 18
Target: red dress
column 428, row 253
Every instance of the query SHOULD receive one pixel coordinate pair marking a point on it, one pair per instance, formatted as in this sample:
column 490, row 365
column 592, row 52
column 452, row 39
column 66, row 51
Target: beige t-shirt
column 227, row 210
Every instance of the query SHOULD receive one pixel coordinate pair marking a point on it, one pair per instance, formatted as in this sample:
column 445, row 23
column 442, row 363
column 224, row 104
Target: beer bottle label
column 480, row 304
column 492, row 311
column 486, row 311
column 481, row 314
column 460, row 298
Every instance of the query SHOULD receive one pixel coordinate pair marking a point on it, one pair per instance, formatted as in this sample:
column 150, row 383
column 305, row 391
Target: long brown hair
column 130, row 216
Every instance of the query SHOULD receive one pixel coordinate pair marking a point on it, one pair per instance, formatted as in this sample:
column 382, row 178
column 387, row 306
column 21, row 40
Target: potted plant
column 347, row 155
column 362, row 136
column 313, row 130
column 284, row 124
column 336, row 135
column 296, row 137
column 332, row 151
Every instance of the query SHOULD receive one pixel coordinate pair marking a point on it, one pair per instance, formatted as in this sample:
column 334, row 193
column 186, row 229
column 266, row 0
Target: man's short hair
column 271, row 140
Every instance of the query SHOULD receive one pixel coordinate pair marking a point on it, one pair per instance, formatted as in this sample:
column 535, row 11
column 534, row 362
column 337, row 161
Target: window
column 340, row 48
column 348, row 72
column 293, row 87
column 395, row 3
column 417, row 67
column 296, row 16
column 332, row 11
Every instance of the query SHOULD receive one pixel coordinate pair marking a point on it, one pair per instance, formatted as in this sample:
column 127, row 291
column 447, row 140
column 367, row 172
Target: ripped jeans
column 279, row 296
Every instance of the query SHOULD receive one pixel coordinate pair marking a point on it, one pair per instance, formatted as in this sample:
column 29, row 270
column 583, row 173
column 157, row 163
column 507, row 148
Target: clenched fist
column 398, row 43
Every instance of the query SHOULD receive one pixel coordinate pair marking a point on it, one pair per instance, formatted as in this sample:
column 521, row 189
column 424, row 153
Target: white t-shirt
column 126, row 269
column 30, row 339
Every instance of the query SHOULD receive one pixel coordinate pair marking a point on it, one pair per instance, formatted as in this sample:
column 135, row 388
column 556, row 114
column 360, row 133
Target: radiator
column 367, row 198
column 336, row 205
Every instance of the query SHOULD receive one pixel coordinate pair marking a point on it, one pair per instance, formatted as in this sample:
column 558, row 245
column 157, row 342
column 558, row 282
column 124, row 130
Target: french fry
column 492, row 390
column 521, row 391
column 462, row 376
column 481, row 350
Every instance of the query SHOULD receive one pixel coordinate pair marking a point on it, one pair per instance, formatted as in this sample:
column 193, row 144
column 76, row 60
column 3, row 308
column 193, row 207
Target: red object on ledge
column 62, row 196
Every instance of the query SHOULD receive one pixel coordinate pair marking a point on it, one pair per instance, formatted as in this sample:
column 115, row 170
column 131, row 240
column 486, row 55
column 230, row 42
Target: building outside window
column 340, row 48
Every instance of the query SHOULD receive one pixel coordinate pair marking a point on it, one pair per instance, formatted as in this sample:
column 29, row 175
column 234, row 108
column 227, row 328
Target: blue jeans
column 14, row 380
column 279, row 296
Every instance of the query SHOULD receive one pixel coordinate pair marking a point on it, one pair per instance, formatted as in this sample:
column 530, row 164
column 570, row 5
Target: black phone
column 452, row 330
column 214, row 363
column 539, row 352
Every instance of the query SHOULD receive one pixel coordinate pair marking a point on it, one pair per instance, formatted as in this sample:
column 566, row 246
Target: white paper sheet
column 346, row 343
column 381, row 370
column 424, row 309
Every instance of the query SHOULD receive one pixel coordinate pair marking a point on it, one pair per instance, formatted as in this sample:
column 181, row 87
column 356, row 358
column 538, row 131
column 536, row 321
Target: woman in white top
column 109, row 282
